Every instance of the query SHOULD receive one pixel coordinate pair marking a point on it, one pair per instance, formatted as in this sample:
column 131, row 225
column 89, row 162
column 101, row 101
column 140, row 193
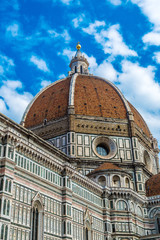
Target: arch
column 132, row 207
column 153, row 211
column 139, row 211
column 127, row 183
column 37, row 214
column 102, row 181
column 147, row 160
column 87, row 233
column 122, row 205
column 87, row 225
column 116, row 181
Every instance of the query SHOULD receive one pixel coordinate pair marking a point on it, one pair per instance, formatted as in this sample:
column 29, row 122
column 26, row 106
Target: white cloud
column 110, row 39
column 151, row 8
column 67, row 2
column 40, row 63
column 139, row 86
column 156, row 57
column 152, row 38
column 115, row 2
column 45, row 83
column 61, row 76
column 76, row 21
column 152, row 120
column 67, row 53
column 13, row 30
column 92, row 28
column 13, row 99
column 65, row 35
column 6, row 65
column 106, row 70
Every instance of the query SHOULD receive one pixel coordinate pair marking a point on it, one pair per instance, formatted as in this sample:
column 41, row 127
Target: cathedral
column 81, row 165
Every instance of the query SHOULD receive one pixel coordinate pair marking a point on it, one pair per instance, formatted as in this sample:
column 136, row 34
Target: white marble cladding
column 141, row 157
column 80, row 145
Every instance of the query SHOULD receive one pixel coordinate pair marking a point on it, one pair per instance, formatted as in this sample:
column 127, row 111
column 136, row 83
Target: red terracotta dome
column 89, row 95
column 107, row 166
column 153, row 185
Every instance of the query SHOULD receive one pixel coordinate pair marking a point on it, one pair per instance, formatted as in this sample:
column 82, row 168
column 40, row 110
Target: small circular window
column 104, row 147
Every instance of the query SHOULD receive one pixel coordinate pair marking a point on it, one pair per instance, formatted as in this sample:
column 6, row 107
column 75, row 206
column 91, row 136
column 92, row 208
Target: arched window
column 132, row 207
column 35, row 223
column 121, row 205
column 1, row 184
column 87, row 234
column 147, row 160
column 116, row 181
column 9, row 186
column 37, row 219
column 4, row 232
column 139, row 212
column 6, row 186
column 102, row 181
column 88, row 226
column 81, row 69
column 8, row 207
column 127, row 183
column 75, row 69
column 158, row 224
column 4, row 207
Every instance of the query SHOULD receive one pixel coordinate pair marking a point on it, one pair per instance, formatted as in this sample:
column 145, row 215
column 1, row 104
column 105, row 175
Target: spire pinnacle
column 78, row 46
column 79, row 63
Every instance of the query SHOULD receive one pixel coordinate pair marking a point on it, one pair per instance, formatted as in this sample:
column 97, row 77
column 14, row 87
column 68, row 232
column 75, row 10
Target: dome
column 153, row 185
column 88, row 95
column 104, row 167
column 88, row 118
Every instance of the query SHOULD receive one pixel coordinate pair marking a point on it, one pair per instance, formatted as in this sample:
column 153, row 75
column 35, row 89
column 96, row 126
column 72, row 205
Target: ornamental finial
column 78, row 46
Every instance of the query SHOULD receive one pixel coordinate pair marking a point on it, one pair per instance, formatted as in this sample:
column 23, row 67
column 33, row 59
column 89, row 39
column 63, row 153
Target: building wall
column 35, row 174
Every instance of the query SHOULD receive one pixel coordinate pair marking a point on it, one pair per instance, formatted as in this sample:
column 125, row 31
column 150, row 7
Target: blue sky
column 121, row 39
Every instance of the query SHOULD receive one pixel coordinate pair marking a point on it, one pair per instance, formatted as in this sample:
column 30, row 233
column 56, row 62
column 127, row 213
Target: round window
column 102, row 150
column 104, row 147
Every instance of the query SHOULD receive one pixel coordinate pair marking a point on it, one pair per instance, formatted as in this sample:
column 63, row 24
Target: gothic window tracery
column 37, row 218
column 121, row 205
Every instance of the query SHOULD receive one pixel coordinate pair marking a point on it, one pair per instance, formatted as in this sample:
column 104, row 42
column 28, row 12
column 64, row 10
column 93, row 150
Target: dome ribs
column 100, row 102
column 92, row 96
column 54, row 99
column 139, row 120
